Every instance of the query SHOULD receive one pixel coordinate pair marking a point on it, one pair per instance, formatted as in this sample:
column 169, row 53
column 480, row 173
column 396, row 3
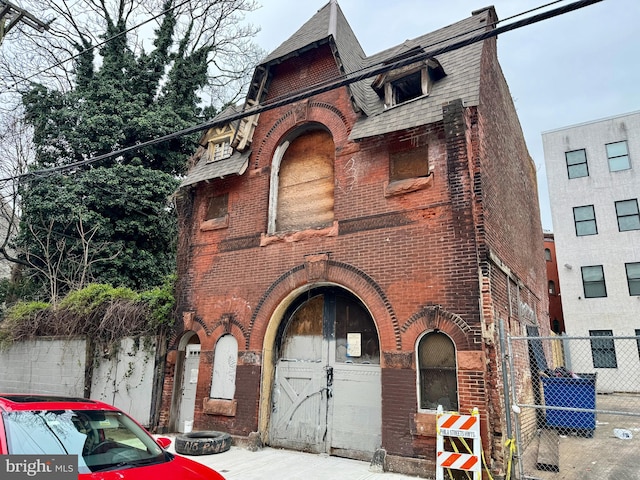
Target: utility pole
column 11, row 14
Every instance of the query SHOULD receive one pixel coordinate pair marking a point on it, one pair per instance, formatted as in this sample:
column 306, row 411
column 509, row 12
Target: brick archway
column 320, row 270
column 434, row 317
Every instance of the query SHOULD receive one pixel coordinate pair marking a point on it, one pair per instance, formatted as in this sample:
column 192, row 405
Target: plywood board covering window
column 306, row 182
column 217, row 207
column 410, row 163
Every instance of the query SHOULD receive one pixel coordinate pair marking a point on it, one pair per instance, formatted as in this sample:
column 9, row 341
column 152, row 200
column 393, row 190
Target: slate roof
column 462, row 80
column 462, row 68
column 236, row 164
column 205, row 169
column 329, row 25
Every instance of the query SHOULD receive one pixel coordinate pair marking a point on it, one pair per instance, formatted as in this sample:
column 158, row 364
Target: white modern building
column 593, row 172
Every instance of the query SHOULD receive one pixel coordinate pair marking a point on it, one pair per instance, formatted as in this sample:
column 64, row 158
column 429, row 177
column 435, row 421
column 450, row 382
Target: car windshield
column 103, row 440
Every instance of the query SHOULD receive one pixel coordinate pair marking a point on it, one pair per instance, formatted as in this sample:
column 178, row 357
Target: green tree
column 112, row 221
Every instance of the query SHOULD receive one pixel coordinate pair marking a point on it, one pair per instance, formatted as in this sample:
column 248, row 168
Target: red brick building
column 345, row 259
column 556, row 318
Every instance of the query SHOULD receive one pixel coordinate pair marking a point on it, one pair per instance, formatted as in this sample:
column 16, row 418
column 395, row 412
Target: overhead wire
column 316, row 89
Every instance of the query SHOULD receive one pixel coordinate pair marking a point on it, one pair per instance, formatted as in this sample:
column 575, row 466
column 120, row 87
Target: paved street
column 269, row 463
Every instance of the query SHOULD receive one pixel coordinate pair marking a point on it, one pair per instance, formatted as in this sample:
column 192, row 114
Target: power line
column 317, row 89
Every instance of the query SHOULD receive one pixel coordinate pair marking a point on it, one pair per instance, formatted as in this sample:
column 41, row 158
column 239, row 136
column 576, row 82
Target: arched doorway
column 326, row 395
column 185, row 382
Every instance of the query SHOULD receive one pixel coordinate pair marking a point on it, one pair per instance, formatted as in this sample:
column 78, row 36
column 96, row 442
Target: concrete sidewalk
column 270, row 463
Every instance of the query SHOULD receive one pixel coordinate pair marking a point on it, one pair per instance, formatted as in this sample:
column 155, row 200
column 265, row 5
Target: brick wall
column 418, row 260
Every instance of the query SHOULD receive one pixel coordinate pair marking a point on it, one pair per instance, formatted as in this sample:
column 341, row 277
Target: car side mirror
column 164, row 442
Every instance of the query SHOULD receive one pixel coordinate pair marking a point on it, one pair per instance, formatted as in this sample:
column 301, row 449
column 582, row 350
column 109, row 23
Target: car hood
column 176, row 468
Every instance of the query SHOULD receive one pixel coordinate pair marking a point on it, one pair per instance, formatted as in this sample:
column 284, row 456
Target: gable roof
column 329, row 26
column 462, row 80
column 462, row 67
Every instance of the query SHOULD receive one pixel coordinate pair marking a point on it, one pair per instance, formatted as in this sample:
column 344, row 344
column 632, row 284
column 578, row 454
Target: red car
column 109, row 444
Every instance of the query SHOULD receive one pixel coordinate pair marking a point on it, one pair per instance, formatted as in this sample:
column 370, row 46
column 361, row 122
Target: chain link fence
column 575, row 406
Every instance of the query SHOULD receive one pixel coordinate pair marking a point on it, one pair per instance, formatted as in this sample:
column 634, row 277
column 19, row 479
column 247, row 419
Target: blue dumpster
column 570, row 392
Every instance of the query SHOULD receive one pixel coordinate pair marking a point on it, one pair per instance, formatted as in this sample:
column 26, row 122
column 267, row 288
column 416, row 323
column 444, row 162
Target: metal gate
column 327, row 389
column 575, row 406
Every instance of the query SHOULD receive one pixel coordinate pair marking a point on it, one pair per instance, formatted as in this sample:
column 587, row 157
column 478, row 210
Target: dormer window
column 221, row 149
column 407, row 88
column 407, row 83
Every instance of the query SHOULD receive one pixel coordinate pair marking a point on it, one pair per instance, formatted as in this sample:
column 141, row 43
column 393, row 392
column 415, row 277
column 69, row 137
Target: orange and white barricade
column 461, row 426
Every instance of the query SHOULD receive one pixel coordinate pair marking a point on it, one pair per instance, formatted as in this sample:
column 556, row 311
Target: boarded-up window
column 217, row 207
column 437, row 372
column 410, row 163
column 306, row 183
column 225, row 360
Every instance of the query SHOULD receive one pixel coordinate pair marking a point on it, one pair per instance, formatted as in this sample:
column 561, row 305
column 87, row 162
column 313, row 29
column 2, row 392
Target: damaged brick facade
column 456, row 251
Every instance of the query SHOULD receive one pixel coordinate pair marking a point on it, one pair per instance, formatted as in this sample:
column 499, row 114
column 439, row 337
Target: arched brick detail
column 230, row 324
column 340, row 274
column 435, row 317
column 319, row 112
column 189, row 323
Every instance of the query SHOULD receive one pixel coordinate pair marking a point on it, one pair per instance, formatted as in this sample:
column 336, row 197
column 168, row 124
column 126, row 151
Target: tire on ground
column 202, row 443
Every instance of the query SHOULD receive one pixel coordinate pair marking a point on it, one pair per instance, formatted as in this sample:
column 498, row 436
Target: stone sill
column 217, row 406
column 215, row 224
column 424, row 424
column 292, row 237
column 400, row 187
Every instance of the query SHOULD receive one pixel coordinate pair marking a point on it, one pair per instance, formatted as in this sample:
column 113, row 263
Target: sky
column 578, row 67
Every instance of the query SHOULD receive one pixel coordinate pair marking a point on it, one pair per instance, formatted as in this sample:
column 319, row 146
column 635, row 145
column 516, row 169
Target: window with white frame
column 603, row 349
column 585, row 220
column 593, row 282
column 577, row 163
column 633, row 277
column 628, row 215
column 409, row 82
column 302, row 181
column 437, row 372
column 618, row 156
column 221, row 149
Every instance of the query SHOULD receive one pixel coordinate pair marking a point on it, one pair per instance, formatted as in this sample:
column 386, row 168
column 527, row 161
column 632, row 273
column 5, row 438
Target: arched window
column 547, row 254
column 225, row 360
column 552, row 287
column 302, row 181
column 437, row 372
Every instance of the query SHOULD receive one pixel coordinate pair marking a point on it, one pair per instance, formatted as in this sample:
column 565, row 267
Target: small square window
column 603, row 350
column 628, row 215
column 410, row 163
column 585, row 220
column 220, row 150
column 577, row 163
column 618, row 156
column 593, row 282
column 217, row 207
column 633, row 277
